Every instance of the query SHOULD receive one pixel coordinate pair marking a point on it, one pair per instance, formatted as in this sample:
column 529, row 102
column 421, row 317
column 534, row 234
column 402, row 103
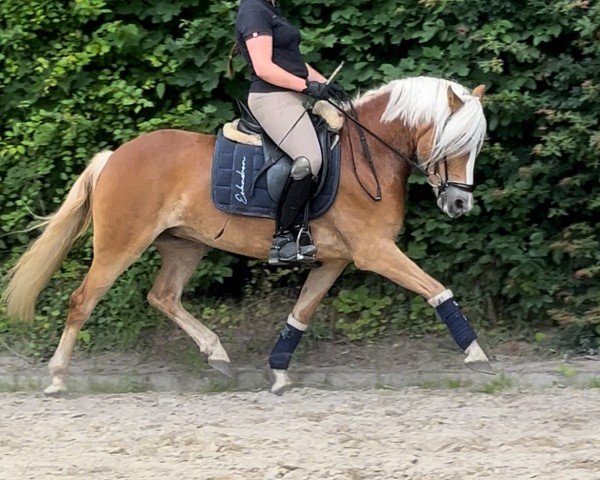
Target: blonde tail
column 37, row 265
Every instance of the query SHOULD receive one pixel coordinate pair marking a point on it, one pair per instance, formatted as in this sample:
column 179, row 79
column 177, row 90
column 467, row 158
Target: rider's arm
column 260, row 49
column 314, row 76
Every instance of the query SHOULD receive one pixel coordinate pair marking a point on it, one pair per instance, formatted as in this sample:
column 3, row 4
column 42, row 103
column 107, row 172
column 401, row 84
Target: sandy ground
column 307, row 434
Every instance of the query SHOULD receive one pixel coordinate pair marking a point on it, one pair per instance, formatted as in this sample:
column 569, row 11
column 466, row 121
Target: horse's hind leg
column 104, row 271
column 179, row 261
column 315, row 287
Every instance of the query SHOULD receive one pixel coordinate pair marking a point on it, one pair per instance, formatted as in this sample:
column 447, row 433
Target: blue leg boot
column 282, row 352
column 448, row 311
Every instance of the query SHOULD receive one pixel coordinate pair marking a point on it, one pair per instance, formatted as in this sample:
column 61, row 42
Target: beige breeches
column 277, row 112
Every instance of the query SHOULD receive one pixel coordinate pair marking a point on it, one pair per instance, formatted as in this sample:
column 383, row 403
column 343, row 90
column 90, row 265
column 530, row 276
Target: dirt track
column 307, row 434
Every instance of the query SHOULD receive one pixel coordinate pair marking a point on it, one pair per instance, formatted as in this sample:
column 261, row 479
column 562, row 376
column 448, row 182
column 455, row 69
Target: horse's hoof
column 222, row 366
column 475, row 354
column 282, row 382
column 477, row 360
column 55, row 391
column 281, row 390
column 481, row 367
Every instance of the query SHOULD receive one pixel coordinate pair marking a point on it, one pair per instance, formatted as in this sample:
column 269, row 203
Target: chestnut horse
column 156, row 190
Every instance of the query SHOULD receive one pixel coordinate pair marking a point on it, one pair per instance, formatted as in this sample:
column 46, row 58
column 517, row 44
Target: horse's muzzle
column 455, row 202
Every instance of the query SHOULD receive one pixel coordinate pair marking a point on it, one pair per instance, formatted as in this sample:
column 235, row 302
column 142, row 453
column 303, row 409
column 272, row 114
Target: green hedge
column 84, row 75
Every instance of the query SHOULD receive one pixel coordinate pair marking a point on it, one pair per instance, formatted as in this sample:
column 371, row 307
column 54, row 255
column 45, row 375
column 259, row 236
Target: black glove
column 316, row 90
column 324, row 91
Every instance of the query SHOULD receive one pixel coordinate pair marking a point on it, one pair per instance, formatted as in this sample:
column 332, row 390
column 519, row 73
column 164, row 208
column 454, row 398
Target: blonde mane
column 424, row 100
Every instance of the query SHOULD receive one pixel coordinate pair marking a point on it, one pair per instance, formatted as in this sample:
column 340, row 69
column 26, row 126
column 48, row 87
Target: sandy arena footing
column 412, row 433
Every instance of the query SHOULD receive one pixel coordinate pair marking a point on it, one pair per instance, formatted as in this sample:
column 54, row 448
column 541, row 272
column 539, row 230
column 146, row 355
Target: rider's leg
column 296, row 195
column 291, row 215
column 284, row 118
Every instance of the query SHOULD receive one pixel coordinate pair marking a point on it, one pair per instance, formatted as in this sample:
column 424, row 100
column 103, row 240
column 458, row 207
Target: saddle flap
column 325, row 141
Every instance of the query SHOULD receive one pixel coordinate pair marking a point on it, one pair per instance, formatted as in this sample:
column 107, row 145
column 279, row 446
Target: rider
column 280, row 82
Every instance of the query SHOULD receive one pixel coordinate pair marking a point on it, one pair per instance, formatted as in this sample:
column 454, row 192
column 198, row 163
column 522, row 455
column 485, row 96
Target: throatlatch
column 448, row 311
column 286, row 344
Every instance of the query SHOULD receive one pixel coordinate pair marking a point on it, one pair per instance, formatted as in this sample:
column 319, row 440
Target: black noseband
column 444, row 183
column 465, row 187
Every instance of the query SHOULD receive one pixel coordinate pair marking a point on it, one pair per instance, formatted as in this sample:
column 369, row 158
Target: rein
column 360, row 130
column 358, row 124
column 441, row 185
column 367, row 153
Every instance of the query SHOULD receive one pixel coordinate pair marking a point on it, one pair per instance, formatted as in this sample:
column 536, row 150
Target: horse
column 155, row 190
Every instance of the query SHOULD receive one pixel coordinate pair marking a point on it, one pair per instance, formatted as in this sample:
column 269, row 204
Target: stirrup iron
column 309, row 253
column 296, row 252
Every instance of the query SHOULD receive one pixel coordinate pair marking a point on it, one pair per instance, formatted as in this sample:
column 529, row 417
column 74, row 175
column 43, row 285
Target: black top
column 261, row 17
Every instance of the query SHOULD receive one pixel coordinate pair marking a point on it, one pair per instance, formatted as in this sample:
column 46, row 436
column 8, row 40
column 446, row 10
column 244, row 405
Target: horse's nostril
column 459, row 203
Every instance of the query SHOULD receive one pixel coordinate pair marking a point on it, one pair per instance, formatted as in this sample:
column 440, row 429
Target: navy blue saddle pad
column 234, row 169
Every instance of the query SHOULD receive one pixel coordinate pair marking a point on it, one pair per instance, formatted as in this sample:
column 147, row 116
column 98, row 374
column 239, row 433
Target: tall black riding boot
column 287, row 246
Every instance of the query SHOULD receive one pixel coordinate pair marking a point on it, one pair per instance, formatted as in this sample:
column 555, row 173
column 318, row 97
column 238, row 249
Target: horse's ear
column 478, row 92
column 454, row 100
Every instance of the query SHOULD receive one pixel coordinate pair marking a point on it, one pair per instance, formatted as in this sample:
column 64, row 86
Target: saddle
column 247, row 164
column 327, row 122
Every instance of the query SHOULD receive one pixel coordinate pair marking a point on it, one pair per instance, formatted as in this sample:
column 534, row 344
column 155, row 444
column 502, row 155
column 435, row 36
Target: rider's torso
column 260, row 17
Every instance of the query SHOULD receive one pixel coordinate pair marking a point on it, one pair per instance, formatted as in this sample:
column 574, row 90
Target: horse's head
column 444, row 126
column 448, row 146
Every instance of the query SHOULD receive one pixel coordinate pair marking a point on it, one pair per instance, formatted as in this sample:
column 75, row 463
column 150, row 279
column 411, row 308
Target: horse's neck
column 394, row 133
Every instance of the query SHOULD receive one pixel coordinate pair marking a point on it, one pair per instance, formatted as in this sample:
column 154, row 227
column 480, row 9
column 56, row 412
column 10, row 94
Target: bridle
column 432, row 171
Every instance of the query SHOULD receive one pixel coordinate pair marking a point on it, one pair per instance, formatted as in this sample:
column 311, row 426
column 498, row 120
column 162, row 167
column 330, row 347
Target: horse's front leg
column 390, row 262
column 315, row 287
